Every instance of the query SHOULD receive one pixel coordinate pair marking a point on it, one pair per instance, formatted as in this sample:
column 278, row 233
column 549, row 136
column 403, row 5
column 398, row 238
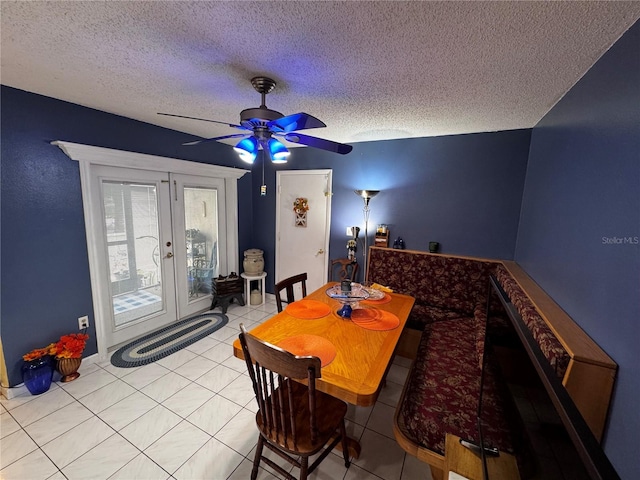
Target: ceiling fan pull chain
column 263, row 187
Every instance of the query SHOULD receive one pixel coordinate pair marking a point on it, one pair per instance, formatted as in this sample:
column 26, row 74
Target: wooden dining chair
column 294, row 420
column 343, row 269
column 287, row 284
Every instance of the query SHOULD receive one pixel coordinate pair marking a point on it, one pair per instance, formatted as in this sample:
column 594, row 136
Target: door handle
column 169, row 255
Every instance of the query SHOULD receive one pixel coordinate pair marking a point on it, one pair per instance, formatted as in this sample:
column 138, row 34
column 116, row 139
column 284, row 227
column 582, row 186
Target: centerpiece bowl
column 348, row 298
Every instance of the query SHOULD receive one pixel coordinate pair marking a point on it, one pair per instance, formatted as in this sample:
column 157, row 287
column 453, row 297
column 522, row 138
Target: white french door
column 198, row 220
column 155, row 240
column 160, row 238
column 136, row 239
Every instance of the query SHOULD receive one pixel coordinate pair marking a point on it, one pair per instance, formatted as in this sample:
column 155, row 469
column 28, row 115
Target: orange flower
column 71, row 346
column 301, row 205
column 37, row 353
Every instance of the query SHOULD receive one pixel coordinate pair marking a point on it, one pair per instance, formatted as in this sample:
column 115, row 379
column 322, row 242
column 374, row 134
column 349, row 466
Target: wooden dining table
column 362, row 356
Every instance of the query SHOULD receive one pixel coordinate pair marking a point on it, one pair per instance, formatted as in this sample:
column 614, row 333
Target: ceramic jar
column 253, row 261
column 255, row 297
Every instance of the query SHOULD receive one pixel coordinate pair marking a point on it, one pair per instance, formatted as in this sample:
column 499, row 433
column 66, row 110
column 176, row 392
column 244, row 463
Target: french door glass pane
column 131, row 226
column 201, row 222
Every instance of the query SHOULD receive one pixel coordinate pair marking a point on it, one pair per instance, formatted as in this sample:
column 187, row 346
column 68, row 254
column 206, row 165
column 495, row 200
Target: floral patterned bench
column 445, row 287
column 442, row 391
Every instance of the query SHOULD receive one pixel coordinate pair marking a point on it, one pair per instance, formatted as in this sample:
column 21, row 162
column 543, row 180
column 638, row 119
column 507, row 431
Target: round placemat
column 308, row 309
column 374, row 319
column 305, row 344
column 381, row 301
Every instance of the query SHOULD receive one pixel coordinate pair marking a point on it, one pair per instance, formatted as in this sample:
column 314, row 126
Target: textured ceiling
column 369, row 70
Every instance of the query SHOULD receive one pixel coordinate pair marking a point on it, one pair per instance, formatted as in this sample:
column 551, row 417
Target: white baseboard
column 20, row 389
column 13, row 392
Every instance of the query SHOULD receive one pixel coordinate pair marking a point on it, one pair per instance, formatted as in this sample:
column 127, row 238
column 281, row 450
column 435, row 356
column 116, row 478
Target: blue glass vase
column 37, row 375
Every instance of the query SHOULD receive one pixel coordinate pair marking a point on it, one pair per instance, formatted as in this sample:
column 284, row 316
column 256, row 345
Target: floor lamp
column 366, row 196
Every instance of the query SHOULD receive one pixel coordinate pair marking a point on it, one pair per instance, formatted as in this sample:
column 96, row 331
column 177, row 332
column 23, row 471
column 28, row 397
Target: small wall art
column 300, row 209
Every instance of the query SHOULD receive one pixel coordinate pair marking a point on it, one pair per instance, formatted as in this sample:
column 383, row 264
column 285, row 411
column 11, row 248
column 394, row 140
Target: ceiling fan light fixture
column 278, row 151
column 247, row 149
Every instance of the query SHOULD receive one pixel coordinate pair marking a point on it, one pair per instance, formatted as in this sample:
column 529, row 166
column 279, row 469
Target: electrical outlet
column 83, row 322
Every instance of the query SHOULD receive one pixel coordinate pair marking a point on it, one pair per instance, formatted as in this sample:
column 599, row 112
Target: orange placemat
column 381, row 301
column 374, row 319
column 305, row 344
column 308, row 309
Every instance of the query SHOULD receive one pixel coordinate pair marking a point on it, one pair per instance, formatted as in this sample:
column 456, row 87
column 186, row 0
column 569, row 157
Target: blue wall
column 580, row 224
column 45, row 269
column 463, row 191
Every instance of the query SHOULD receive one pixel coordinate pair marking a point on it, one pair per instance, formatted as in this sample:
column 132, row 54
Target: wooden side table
column 247, row 286
column 224, row 291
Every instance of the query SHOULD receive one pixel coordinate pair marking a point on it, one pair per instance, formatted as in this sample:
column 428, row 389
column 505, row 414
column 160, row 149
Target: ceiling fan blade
column 215, row 139
column 204, row 120
column 296, row 121
column 321, row 143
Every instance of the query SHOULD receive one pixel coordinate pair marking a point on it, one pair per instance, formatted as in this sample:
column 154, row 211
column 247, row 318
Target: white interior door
column 303, row 248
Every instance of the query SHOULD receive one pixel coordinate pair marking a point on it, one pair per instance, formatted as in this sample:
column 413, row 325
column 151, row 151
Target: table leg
column 352, row 445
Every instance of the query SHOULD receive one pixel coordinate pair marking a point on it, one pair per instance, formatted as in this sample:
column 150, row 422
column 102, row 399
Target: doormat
column 167, row 340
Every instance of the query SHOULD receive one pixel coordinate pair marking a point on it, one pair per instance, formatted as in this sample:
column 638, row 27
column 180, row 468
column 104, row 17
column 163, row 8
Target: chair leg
column 256, row 459
column 304, row 467
column 345, row 446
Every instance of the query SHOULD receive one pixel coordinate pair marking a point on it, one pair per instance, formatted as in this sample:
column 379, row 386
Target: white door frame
column 88, row 155
column 328, row 173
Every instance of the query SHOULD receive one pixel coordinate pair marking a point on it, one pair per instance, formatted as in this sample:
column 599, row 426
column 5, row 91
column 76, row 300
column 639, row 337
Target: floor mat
column 167, row 340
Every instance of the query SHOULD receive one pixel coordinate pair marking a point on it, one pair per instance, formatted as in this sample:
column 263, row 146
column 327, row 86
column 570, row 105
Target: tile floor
column 187, row 416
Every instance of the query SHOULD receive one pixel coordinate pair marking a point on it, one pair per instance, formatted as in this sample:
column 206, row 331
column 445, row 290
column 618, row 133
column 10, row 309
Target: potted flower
column 68, row 353
column 37, row 369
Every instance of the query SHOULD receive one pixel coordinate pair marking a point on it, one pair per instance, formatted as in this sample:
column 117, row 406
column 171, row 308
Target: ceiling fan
column 262, row 127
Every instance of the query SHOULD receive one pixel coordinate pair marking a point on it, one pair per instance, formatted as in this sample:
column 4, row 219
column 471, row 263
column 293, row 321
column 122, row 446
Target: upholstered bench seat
column 421, row 315
column 442, row 393
column 444, row 287
column 445, row 336
column 443, row 388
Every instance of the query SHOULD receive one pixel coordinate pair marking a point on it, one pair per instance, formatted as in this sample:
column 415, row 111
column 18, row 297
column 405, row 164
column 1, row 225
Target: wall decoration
column 300, row 208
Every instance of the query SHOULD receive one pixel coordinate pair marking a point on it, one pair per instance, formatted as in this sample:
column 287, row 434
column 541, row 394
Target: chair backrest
column 344, row 268
column 287, row 284
column 283, row 410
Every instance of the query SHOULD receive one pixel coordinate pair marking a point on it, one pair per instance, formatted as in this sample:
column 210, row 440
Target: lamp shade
column 278, row 151
column 367, row 194
column 247, row 149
